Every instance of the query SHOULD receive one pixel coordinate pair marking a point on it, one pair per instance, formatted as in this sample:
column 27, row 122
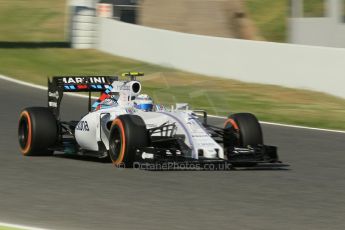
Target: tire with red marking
column 37, row 131
column 127, row 134
column 242, row 129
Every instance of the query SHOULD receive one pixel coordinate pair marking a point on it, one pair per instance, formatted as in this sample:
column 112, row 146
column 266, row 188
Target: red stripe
column 103, row 97
column 82, row 86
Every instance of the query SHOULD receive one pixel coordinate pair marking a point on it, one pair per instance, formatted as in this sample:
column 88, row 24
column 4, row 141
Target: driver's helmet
column 143, row 102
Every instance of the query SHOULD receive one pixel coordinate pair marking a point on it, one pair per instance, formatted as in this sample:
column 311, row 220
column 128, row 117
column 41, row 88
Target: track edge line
column 19, row 226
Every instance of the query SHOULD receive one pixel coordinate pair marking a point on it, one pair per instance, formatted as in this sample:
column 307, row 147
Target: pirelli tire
column 247, row 129
column 127, row 134
column 37, row 131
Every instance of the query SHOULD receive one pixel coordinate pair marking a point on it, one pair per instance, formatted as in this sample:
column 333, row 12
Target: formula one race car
column 131, row 137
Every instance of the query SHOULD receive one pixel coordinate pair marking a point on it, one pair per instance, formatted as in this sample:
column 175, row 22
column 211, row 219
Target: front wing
column 151, row 158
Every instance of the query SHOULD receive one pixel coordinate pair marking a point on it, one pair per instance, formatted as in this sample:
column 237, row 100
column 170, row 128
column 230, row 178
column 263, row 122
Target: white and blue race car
column 156, row 137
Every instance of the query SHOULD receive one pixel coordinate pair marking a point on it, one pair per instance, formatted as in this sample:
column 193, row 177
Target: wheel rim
column 230, row 123
column 115, row 144
column 232, row 126
column 23, row 133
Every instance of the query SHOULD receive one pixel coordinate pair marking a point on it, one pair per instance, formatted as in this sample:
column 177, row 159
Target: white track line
column 21, row 227
column 302, row 127
column 38, row 86
column 290, row 126
column 78, row 95
column 22, row 82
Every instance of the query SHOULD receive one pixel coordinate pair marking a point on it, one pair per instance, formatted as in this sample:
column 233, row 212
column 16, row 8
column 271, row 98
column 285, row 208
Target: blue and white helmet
column 143, row 102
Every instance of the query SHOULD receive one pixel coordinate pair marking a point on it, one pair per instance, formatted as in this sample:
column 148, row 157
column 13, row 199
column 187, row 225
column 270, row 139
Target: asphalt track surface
column 64, row 193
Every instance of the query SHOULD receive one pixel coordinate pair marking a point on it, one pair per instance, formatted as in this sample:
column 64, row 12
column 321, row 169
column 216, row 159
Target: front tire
column 247, row 129
column 37, row 131
column 127, row 133
column 242, row 130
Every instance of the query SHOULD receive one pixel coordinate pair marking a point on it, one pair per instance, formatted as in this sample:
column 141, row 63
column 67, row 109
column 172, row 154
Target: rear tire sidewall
column 40, row 127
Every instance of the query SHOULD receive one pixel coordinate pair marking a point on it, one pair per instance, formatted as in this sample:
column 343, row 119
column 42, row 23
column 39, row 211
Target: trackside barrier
column 82, row 33
column 307, row 67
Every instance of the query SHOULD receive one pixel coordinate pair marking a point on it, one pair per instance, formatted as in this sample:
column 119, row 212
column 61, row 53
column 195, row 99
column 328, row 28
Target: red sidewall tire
column 127, row 134
column 25, row 133
column 37, row 131
column 248, row 128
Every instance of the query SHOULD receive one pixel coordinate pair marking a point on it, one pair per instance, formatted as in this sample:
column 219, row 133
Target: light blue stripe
column 95, row 104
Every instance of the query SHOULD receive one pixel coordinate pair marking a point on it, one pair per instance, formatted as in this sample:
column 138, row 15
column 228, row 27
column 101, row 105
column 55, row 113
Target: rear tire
column 127, row 133
column 37, row 131
column 247, row 127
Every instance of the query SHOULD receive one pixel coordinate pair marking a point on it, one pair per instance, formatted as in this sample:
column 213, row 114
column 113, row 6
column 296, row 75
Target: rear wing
column 57, row 85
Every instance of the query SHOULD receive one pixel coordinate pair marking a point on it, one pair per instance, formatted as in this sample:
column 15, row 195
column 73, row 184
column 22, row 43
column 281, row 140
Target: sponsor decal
column 82, row 80
column 123, row 87
column 149, row 126
column 206, row 144
column 199, row 135
column 54, row 94
column 82, row 126
column 52, row 104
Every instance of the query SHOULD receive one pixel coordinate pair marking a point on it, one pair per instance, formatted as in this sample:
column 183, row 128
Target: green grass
column 40, row 20
column 35, row 65
column 270, row 16
column 314, row 8
column 8, row 228
column 167, row 86
column 32, row 20
column 269, row 103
